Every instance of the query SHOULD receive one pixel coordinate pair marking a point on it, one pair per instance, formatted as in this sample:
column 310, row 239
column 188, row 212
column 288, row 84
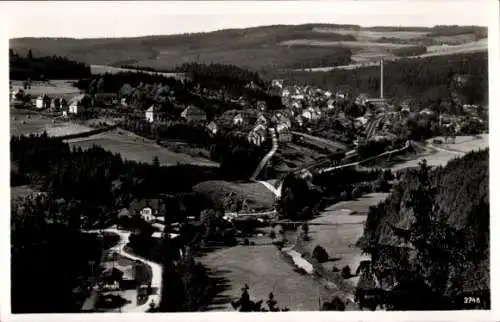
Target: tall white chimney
column 381, row 78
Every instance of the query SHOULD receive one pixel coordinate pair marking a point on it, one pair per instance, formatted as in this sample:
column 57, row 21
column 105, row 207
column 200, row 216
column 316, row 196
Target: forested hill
column 258, row 48
column 449, row 208
column 429, row 80
column 46, row 67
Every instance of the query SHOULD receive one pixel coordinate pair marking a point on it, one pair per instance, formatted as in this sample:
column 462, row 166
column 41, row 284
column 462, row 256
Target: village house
column 311, row 114
column 148, row 209
column 285, row 92
column 16, row 94
column 212, row 128
column 39, row 102
column 277, row 83
column 261, row 120
column 258, row 135
column 427, row 112
column 194, row 114
column 124, row 102
column 330, row 104
column 299, row 120
column 238, row 119
column 78, row 103
column 151, row 113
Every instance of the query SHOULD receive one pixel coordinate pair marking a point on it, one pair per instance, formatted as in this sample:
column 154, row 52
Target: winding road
column 157, row 270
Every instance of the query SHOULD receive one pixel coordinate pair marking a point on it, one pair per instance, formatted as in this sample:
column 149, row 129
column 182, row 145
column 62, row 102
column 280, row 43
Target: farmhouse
column 277, row 83
column 261, row 120
column 212, row 128
column 78, row 103
column 18, row 93
column 194, row 114
column 238, row 119
column 258, row 135
column 147, row 209
column 151, row 113
column 39, row 102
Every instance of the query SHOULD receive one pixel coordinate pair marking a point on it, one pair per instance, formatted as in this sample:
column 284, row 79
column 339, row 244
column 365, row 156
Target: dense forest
column 42, row 68
column 429, row 80
column 432, row 236
column 82, row 191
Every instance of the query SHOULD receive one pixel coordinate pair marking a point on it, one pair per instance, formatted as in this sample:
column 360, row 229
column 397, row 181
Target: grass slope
column 256, row 194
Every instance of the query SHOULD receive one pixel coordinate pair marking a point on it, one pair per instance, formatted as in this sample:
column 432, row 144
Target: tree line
column 44, row 68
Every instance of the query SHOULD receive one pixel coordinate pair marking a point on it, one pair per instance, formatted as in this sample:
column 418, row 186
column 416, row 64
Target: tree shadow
column 216, row 301
column 333, row 259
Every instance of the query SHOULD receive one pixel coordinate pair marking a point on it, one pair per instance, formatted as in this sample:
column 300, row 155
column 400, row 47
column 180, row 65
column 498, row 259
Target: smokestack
column 381, row 78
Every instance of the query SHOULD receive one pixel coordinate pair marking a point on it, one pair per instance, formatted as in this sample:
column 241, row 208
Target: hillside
column 278, row 46
column 426, row 79
column 461, row 204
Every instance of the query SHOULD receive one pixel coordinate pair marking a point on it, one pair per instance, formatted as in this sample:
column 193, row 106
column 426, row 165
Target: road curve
column 157, row 270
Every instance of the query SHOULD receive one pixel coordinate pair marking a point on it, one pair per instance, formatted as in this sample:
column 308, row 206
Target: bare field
column 256, row 194
column 137, row 149
column 63, row 88
column 373, row 35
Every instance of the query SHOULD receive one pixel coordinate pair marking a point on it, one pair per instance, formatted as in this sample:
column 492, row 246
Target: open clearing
column 367, row 35
column 480, row 45
column 137, row 149
column 22, row 191
column 24, row 122
column 350, row 44
column 102, row 69
column 264, row 269
column 339, row 240
column 371, row 56
column 256, row 195
column 467, row 143
column 62, row 88
column 447, row 152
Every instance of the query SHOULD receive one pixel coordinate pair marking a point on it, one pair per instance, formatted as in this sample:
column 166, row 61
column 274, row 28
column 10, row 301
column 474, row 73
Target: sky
column 80, row 19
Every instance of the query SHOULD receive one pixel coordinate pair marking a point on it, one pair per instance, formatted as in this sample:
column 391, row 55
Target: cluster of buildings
column 74, row 105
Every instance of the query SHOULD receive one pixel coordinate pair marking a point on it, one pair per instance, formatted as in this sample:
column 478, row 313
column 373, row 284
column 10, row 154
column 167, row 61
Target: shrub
column 320, row 254
column 356, row 193
column 335, row 305
column 346, row 272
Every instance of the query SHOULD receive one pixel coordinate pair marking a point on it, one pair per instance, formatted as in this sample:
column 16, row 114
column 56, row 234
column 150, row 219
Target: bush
column 344, row 195
column 356, row 193
column 346, row 272
column 335, row 305
column 320, row 254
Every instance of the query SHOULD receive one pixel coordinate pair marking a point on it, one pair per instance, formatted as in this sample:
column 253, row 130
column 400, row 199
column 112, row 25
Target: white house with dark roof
column 151, row 113
column 78, row 103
